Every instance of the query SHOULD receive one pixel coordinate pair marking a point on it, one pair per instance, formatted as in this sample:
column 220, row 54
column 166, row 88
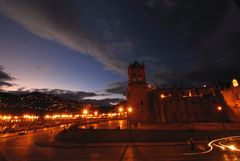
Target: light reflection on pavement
column 222, row 144
column 23, row 148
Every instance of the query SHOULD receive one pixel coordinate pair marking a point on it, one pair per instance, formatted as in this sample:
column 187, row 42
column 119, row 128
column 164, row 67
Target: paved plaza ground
column 41, row 146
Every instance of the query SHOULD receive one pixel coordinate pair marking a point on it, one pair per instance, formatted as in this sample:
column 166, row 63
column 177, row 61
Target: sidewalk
column 19, row 133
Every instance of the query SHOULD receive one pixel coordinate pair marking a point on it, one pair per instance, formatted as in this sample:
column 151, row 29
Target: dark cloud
column 117, row 87
column 179, row 40
column 5, row 78
column 206, row 44
column 61, row 21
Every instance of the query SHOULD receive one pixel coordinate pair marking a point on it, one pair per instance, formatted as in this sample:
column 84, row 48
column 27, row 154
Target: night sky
column 85, row 46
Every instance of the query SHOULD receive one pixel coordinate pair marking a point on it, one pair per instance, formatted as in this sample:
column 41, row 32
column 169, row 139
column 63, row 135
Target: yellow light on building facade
column 129, row 109
column 95, row 113
column 235, row 83
column 219, row 108
column 120, row 109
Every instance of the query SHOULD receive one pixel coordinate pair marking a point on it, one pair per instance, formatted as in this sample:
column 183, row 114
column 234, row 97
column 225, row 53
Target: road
column 24, row 148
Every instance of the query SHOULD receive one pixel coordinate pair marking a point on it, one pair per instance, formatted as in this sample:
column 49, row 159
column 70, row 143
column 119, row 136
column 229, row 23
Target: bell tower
column 136, row 73
column 137, row 96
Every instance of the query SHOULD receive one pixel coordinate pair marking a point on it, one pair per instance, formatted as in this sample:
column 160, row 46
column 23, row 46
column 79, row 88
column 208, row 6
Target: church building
column 169, row 105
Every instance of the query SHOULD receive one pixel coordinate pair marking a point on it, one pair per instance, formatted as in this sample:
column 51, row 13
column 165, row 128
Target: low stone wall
column 137, row 135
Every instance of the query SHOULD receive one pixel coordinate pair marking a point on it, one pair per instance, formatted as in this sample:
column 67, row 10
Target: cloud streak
column 60, row 21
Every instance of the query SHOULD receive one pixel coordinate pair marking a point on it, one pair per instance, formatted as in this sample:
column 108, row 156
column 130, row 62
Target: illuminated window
column 234, row 83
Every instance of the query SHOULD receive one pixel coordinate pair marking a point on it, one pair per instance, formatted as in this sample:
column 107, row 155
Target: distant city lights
column 85, row 111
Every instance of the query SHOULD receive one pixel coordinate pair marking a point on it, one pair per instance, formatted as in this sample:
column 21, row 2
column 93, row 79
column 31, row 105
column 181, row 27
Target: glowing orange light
column 232, row 147
column 120, row 109
column 129, row 109
column 235, row 83
column 47, row 116
column 85, row 112
column 162, row 96
column 219, row 108
column 190, row 94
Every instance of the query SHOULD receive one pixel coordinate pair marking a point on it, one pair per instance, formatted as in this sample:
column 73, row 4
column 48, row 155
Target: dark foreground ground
column 138, row 135
column 41, row 146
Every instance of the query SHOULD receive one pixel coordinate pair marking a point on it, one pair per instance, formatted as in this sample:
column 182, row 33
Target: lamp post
column 129, row 111
column 120, row 110
column 219, row 108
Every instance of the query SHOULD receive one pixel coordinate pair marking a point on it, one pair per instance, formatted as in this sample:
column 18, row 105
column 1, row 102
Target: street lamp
column 129, row 120
column 162, row 96
column 85, row 112
column 219, row 108
column 129, row 109
column 120, row 109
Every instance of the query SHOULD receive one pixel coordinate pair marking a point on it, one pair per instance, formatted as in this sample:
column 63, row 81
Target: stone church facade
column 168, row 105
